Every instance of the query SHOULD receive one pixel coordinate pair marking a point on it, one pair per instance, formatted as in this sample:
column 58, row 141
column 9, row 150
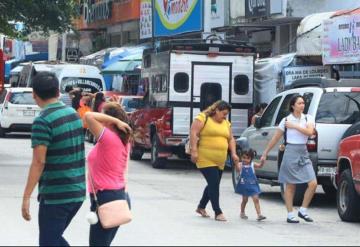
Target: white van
column 86, row 77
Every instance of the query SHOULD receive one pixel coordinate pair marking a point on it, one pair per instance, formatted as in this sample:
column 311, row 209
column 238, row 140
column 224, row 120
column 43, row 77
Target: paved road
column 163, row 207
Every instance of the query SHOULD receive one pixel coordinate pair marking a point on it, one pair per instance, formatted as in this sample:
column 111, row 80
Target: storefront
column 108, row 23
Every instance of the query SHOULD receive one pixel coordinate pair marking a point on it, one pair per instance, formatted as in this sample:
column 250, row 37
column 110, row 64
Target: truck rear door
column 211, row 82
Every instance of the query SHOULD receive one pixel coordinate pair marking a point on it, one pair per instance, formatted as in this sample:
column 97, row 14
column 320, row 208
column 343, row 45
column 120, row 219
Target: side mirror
column 257, row 123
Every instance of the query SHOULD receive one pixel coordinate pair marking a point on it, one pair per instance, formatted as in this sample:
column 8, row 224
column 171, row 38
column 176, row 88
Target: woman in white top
column 296, row 166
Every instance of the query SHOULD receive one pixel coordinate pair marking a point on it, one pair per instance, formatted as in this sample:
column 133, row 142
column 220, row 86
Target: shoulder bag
column 114, row 213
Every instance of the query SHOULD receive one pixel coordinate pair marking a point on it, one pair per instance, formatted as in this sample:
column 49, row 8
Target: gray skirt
column 296, row 166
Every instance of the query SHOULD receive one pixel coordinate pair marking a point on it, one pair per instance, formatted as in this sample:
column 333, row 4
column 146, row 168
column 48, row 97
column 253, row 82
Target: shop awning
column 123, row 66
column 309, row 34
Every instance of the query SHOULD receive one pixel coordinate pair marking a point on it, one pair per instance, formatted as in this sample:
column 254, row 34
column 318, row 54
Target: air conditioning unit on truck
column 182, row 80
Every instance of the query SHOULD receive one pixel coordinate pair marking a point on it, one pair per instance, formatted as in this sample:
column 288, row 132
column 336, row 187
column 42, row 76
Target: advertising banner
column 173, row 17
column 145, row 19
column 301, row 72
column 217, row 13
column 257, row 8
column 341, row 40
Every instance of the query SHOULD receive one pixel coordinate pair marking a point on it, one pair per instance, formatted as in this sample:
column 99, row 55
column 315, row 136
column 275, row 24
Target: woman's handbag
column 111, row 214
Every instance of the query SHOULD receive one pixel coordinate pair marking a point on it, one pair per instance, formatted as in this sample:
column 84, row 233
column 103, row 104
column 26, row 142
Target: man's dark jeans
column 53, row 221
column 98, row 235
column 213, row 177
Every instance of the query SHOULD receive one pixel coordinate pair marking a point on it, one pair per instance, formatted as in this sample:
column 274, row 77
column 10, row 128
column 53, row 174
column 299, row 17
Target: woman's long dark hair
column 99, row 99
column 115, row 110
column 75, row 102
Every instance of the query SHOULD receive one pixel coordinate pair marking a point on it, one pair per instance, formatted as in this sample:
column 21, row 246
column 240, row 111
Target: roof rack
column 323, row 82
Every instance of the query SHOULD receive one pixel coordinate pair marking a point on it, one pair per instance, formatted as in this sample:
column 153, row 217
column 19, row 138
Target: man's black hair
column 45, row 85
column 68, row 88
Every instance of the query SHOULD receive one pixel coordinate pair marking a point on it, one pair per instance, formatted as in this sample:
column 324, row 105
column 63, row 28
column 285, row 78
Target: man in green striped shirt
column 58, row 163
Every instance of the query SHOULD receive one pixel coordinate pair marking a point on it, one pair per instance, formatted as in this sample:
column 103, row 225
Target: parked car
column 17, row 110
column 130, row 103
column 334, row 105
column 347, row 177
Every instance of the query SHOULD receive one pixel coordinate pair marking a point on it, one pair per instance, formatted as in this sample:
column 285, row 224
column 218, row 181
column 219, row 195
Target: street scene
column 179, row 122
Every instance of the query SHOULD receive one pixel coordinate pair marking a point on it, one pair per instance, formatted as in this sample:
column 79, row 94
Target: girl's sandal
column 243, row 216
column 202, row 212
column 261, row 217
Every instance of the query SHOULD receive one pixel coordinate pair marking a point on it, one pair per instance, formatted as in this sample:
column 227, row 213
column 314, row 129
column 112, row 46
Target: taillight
column 312, row 143
column 355, row 89
column 167, row 120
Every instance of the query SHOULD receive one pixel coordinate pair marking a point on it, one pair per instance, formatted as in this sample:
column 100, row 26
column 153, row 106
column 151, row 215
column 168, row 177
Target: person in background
column 259, row 109
column 66, row 98
column 210, row 139
column 99, row 102
column 108, row 164
column 59, row 171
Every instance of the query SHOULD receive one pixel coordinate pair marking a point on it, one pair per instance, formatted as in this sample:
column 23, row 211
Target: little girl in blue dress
column 248, row 185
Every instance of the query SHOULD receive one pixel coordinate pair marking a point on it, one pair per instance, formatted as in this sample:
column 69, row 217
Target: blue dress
column 248, row 184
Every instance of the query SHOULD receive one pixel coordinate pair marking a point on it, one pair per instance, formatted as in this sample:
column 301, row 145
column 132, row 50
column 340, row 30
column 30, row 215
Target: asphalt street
column 164, row 202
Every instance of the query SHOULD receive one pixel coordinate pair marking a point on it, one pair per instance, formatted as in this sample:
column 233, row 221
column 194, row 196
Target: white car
column 17, row 110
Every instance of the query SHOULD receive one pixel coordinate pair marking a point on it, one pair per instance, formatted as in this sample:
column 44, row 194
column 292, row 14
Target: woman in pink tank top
column 108, row 163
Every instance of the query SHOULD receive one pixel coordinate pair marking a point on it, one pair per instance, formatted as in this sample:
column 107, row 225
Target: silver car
column 334, row 108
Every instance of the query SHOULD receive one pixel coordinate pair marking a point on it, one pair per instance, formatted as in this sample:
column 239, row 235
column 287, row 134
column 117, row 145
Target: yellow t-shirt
column 213, row 143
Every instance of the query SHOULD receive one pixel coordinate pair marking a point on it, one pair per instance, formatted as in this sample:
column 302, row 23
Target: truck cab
column 181, row 80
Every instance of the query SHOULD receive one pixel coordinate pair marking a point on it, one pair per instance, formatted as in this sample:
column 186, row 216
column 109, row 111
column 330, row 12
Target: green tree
column 37, row 15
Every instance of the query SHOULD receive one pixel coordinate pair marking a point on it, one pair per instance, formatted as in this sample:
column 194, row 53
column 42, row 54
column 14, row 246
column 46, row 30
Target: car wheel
column 330, row 190
column 2, row 132
column 348, row 201
column 136, row 153
column 156, row 161
column 299, row 193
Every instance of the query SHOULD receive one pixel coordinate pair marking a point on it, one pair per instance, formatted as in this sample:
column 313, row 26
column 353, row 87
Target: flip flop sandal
column 244, row 216
column 261, row 217
column 202, row 212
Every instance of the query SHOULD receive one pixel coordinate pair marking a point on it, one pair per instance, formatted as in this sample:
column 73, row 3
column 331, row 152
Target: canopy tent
column 121, row 53
column 123, row 66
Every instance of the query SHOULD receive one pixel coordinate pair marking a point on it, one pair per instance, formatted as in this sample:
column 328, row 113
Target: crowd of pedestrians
column 59, row 164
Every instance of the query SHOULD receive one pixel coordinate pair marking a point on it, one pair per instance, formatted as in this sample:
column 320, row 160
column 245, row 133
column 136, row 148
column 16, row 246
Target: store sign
column 257, row 8
column 217, row 17
column 291, row 74
column 177, row 16
column 145, row 19
column 98, row 11
column 2, row 70
column 341, row 40
column 92, row 85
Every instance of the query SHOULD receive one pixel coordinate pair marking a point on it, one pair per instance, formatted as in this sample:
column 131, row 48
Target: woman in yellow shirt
column 210, row 139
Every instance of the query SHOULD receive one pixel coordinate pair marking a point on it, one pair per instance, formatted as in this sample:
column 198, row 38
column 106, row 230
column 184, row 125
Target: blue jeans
column 53, row 221
column 212, row 190
column 98, row 235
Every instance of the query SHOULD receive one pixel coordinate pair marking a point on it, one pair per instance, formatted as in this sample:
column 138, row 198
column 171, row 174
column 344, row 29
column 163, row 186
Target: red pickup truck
column 347, row 177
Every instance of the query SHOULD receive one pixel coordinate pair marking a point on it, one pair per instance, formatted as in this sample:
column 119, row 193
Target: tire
column 156, row 161
column 330, row 190
column 136, row 153
column 348, row 201
column 2, row 132
column 299, row 193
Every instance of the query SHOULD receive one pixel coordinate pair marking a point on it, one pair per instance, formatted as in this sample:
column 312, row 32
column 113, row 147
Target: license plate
column 29, row 113
column 326, row 171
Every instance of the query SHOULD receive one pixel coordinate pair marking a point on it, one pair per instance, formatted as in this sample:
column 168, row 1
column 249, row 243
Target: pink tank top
column 108, row 162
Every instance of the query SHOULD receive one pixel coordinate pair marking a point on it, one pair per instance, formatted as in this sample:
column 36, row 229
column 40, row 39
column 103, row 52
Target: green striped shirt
column 60, row 129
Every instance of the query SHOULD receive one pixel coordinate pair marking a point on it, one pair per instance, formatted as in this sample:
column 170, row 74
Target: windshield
column 339, row 108
column 91, row 85
column 125, row 104
column 22, row 98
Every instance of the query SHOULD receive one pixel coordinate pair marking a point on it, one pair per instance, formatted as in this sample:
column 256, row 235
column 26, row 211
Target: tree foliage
column 37, row 15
